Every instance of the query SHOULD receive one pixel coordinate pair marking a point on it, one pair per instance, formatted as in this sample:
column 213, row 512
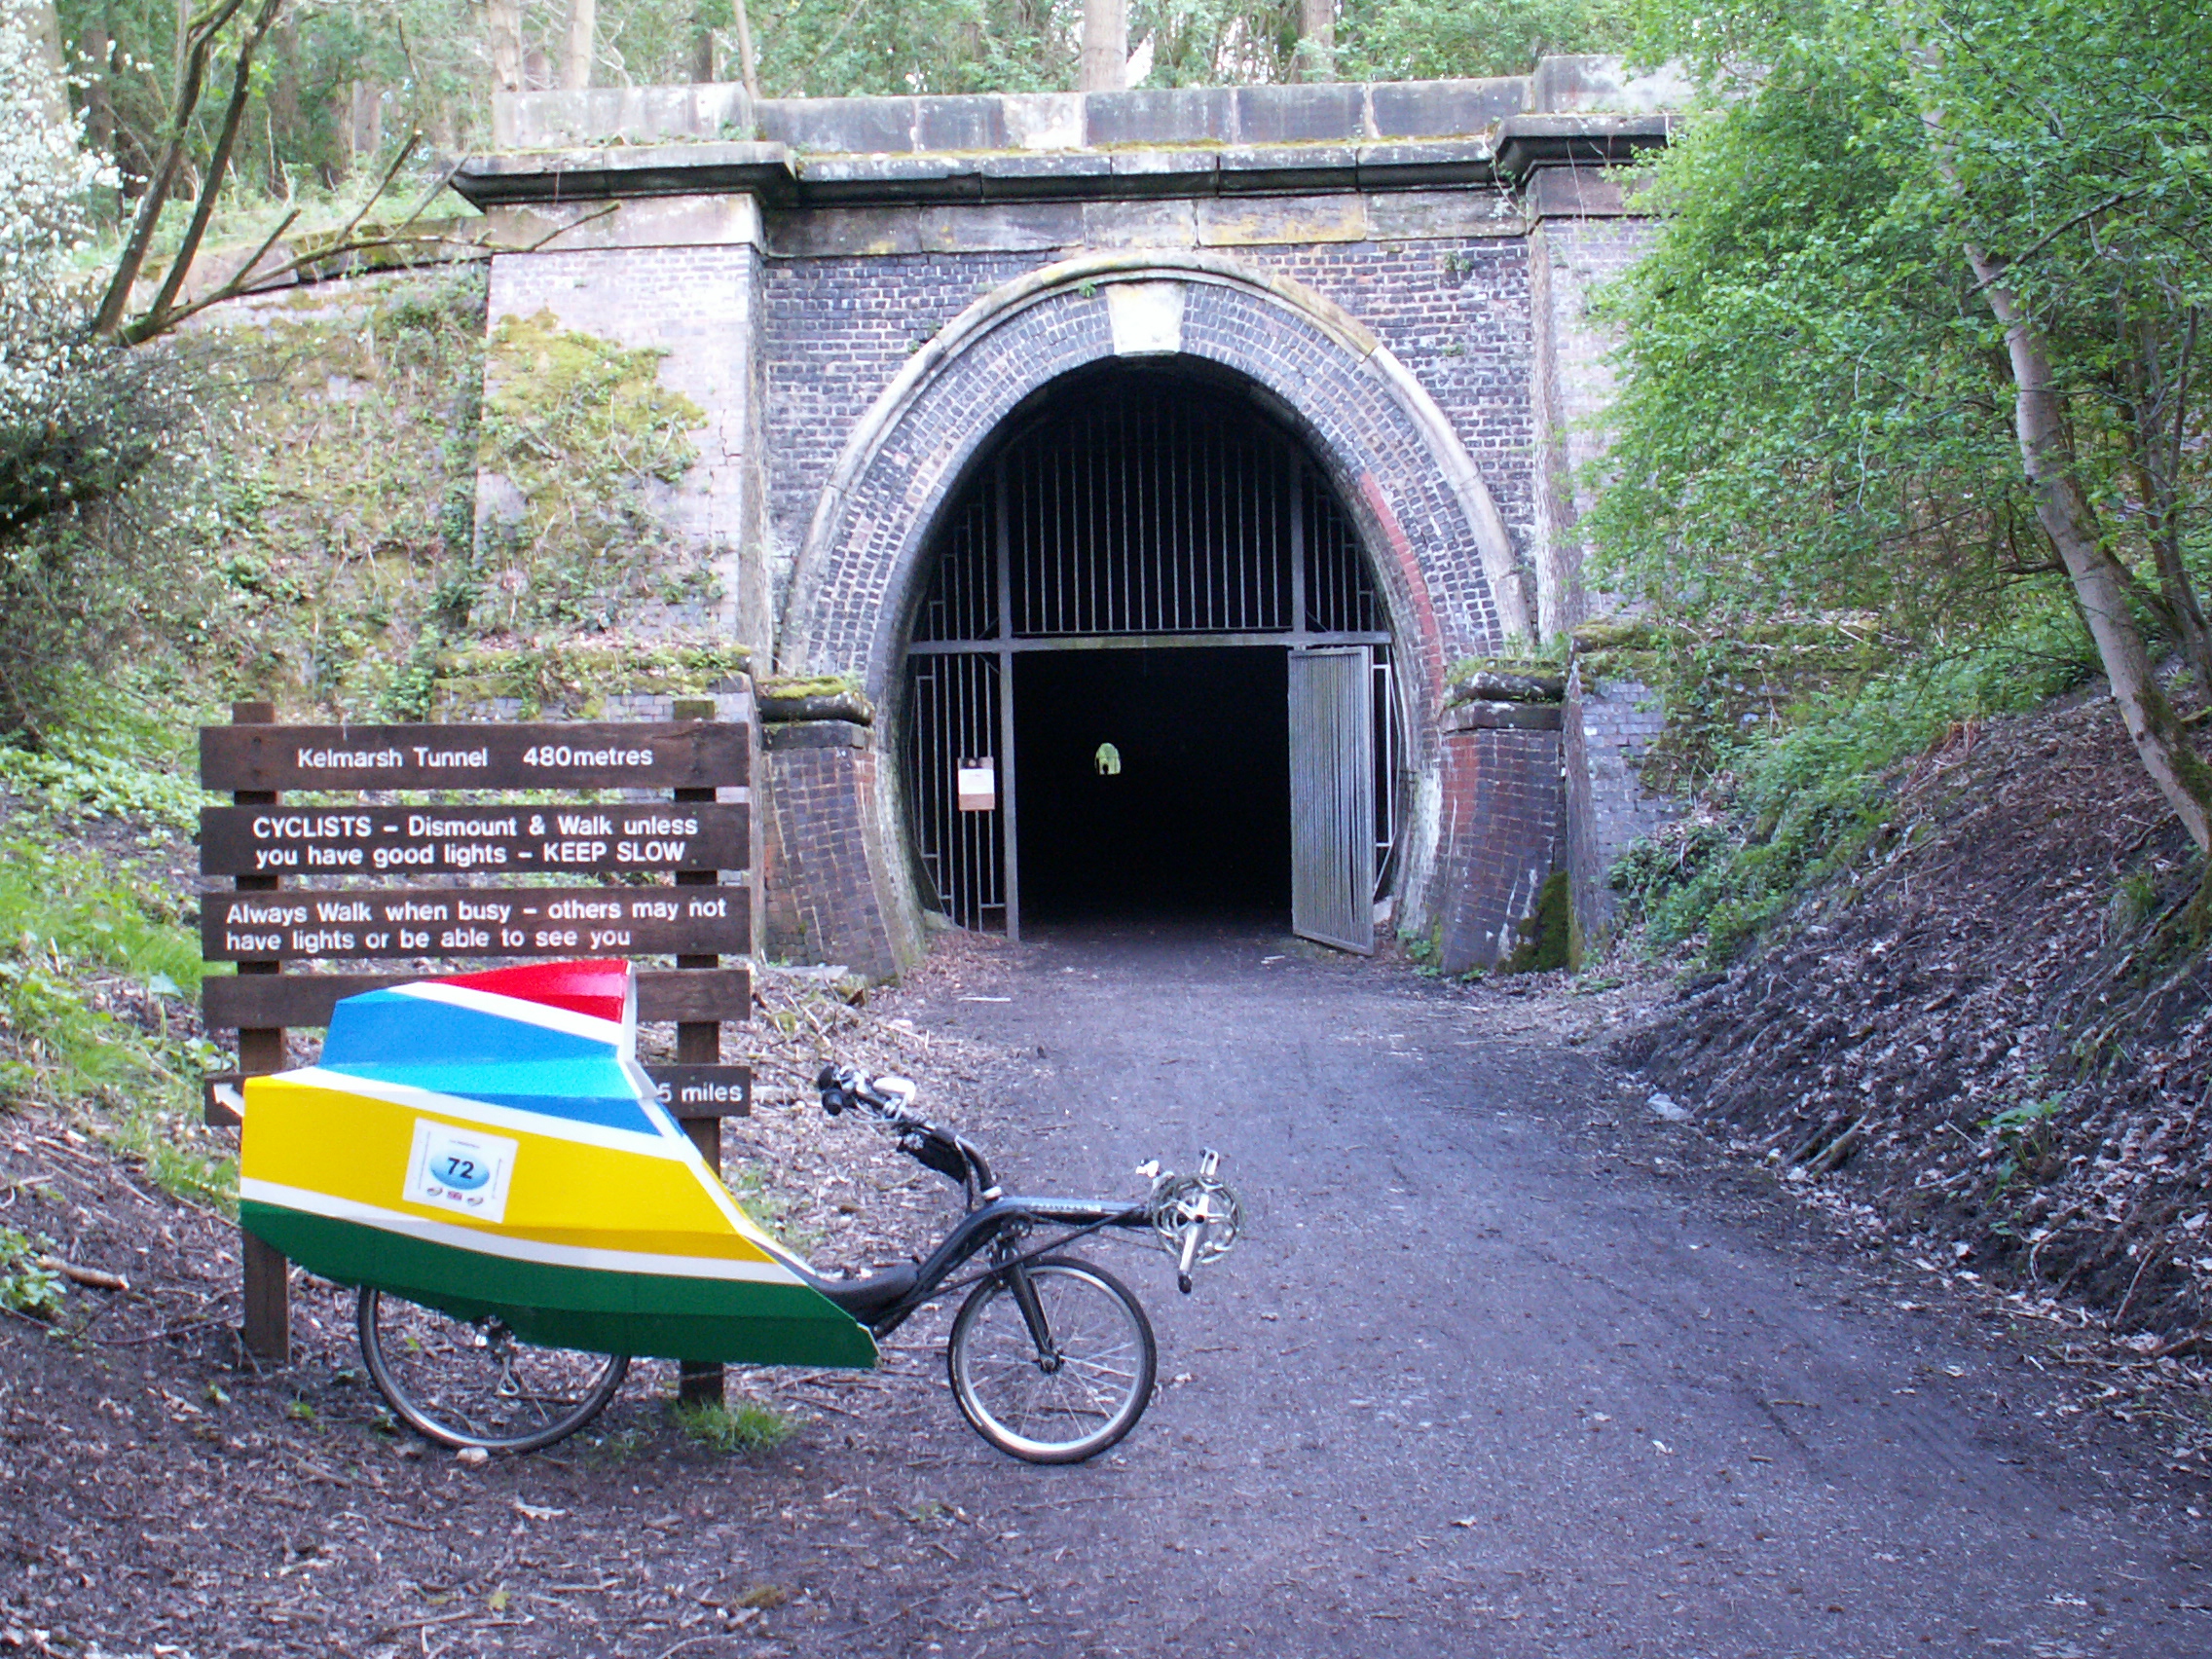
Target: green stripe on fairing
column 662, row 1315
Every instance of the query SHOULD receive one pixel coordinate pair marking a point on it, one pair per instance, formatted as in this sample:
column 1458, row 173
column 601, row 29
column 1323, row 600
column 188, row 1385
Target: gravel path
column 1504, row 1366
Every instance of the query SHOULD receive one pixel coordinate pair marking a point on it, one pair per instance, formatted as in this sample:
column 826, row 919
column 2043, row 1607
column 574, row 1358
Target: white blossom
column 46, row 175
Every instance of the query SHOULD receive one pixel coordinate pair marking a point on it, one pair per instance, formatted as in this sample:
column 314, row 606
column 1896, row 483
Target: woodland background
column 1913, row 446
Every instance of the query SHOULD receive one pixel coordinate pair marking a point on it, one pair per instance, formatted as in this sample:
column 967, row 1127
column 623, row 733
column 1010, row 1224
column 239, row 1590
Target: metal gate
column 1332, row 797
column 1146, row 512
column 954, row 738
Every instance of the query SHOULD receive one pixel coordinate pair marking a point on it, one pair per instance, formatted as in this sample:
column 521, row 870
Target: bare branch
column 192, row 72
column 204, row 210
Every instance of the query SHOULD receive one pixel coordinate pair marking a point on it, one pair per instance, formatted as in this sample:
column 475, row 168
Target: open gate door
column 1332, row 797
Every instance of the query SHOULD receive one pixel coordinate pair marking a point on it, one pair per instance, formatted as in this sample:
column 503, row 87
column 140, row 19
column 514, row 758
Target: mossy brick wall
column 702, row 307
column 821, row 854
column 1503, row 834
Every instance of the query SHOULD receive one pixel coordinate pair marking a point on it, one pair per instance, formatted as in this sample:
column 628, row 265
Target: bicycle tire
column 461, row 1382
column 1107, row 1361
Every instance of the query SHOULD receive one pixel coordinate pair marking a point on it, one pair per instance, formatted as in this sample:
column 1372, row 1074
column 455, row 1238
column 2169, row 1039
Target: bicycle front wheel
column 470, row 1383
column 1074, row 1397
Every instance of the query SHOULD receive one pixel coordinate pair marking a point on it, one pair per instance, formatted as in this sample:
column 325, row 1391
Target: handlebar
column 889, row 1099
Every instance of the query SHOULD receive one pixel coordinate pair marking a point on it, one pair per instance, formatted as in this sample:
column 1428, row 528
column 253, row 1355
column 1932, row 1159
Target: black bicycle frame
column 997, row 1224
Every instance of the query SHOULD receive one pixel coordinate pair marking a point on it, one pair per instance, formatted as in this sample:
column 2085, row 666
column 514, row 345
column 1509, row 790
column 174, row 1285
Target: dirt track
column 1505, row 1366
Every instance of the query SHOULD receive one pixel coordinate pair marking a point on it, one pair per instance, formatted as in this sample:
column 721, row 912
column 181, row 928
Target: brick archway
column 1437, row 544
column 1425, row 514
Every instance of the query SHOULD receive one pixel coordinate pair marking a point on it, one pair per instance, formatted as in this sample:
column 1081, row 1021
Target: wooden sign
column 266, row 1001
column 472, row 841
column 691, row 1093
column 672, row 754
column 264, row 842
column 463, row 921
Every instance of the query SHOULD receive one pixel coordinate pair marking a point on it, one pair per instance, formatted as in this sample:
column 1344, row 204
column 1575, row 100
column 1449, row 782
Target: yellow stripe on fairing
column 655, row 1197
column 491, row 1241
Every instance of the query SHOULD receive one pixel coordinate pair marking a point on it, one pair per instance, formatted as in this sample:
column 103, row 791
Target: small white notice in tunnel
column 978, row 787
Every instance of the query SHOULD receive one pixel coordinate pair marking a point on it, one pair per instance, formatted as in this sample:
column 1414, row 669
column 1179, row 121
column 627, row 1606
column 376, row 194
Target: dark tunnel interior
column 1196, row 819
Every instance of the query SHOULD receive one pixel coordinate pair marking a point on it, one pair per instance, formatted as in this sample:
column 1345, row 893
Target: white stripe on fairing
column 664, row 1141
column 512, row 1249
column 622, row 1037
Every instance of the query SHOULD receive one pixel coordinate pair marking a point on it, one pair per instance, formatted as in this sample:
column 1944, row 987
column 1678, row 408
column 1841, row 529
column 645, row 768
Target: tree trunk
column 584, row 44
column 502, row 28
column 280, row 103
column 1105, row 46
column 2161, row 743
column 1316, row 40
column 46, row 23
column 2100, row 581
column 366, row 123
column 701, row 67
column 748, row 70
column 99, row 100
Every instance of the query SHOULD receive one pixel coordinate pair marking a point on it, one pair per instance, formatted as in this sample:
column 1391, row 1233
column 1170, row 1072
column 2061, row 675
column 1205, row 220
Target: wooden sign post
column 269, row 842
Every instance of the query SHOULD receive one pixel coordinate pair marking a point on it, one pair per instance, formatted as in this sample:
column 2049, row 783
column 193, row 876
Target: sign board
column 673, row 755
column 978, row 785
column 497, row 838
column 266, row 843
column 474, row 921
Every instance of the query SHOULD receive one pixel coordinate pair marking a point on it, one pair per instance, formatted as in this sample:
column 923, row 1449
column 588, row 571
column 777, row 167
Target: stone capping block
column 1180, row 115
column 631, row 115
column 1571, row 192
column 842, row 127
column 1300, row 114
column 815, row 734
column 1443, row 109
column 1501, row 716
column 1599, row 84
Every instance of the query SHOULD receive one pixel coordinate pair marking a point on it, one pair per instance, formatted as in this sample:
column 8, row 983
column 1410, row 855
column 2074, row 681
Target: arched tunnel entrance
column 1150, row 672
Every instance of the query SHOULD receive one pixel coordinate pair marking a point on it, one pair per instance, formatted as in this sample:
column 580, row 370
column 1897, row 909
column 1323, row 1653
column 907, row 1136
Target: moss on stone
column 1545, row 931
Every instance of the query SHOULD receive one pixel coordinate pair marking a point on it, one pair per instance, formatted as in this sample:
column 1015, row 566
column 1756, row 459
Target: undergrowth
column 1806, row 790
column 97, row 972
column 122, row 748
column 747, row 1427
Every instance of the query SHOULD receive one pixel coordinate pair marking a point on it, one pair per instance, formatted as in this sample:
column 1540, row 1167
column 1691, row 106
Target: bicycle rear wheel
column 1071, row 1400
column 470, row 1383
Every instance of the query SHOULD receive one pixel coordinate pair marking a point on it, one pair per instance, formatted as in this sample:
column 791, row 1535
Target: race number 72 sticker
column 461, row 1170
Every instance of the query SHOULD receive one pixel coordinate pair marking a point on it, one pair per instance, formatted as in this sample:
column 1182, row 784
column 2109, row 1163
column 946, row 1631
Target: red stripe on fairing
column 600, row 989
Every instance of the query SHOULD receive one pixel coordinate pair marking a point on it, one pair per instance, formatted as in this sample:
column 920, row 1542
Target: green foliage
column 28, row 1284
column 1423, row 40
column 117, row 748
column 1817, row 413
column 91, row 962
column 1790, row 807
column 749, row 1427
column 352, row 576
column 356, row 431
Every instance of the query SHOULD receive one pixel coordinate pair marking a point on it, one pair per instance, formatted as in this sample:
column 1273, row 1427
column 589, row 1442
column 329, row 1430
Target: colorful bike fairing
column 488, row 1145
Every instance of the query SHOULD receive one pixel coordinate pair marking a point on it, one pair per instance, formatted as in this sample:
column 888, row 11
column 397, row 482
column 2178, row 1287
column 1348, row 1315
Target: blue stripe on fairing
column 382, row 1027
column 585, row 1092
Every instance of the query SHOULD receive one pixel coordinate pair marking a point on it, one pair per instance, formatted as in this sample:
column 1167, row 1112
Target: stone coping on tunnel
column 1178, row 141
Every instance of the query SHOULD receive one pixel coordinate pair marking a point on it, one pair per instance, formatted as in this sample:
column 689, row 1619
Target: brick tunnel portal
column 1102, row 716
